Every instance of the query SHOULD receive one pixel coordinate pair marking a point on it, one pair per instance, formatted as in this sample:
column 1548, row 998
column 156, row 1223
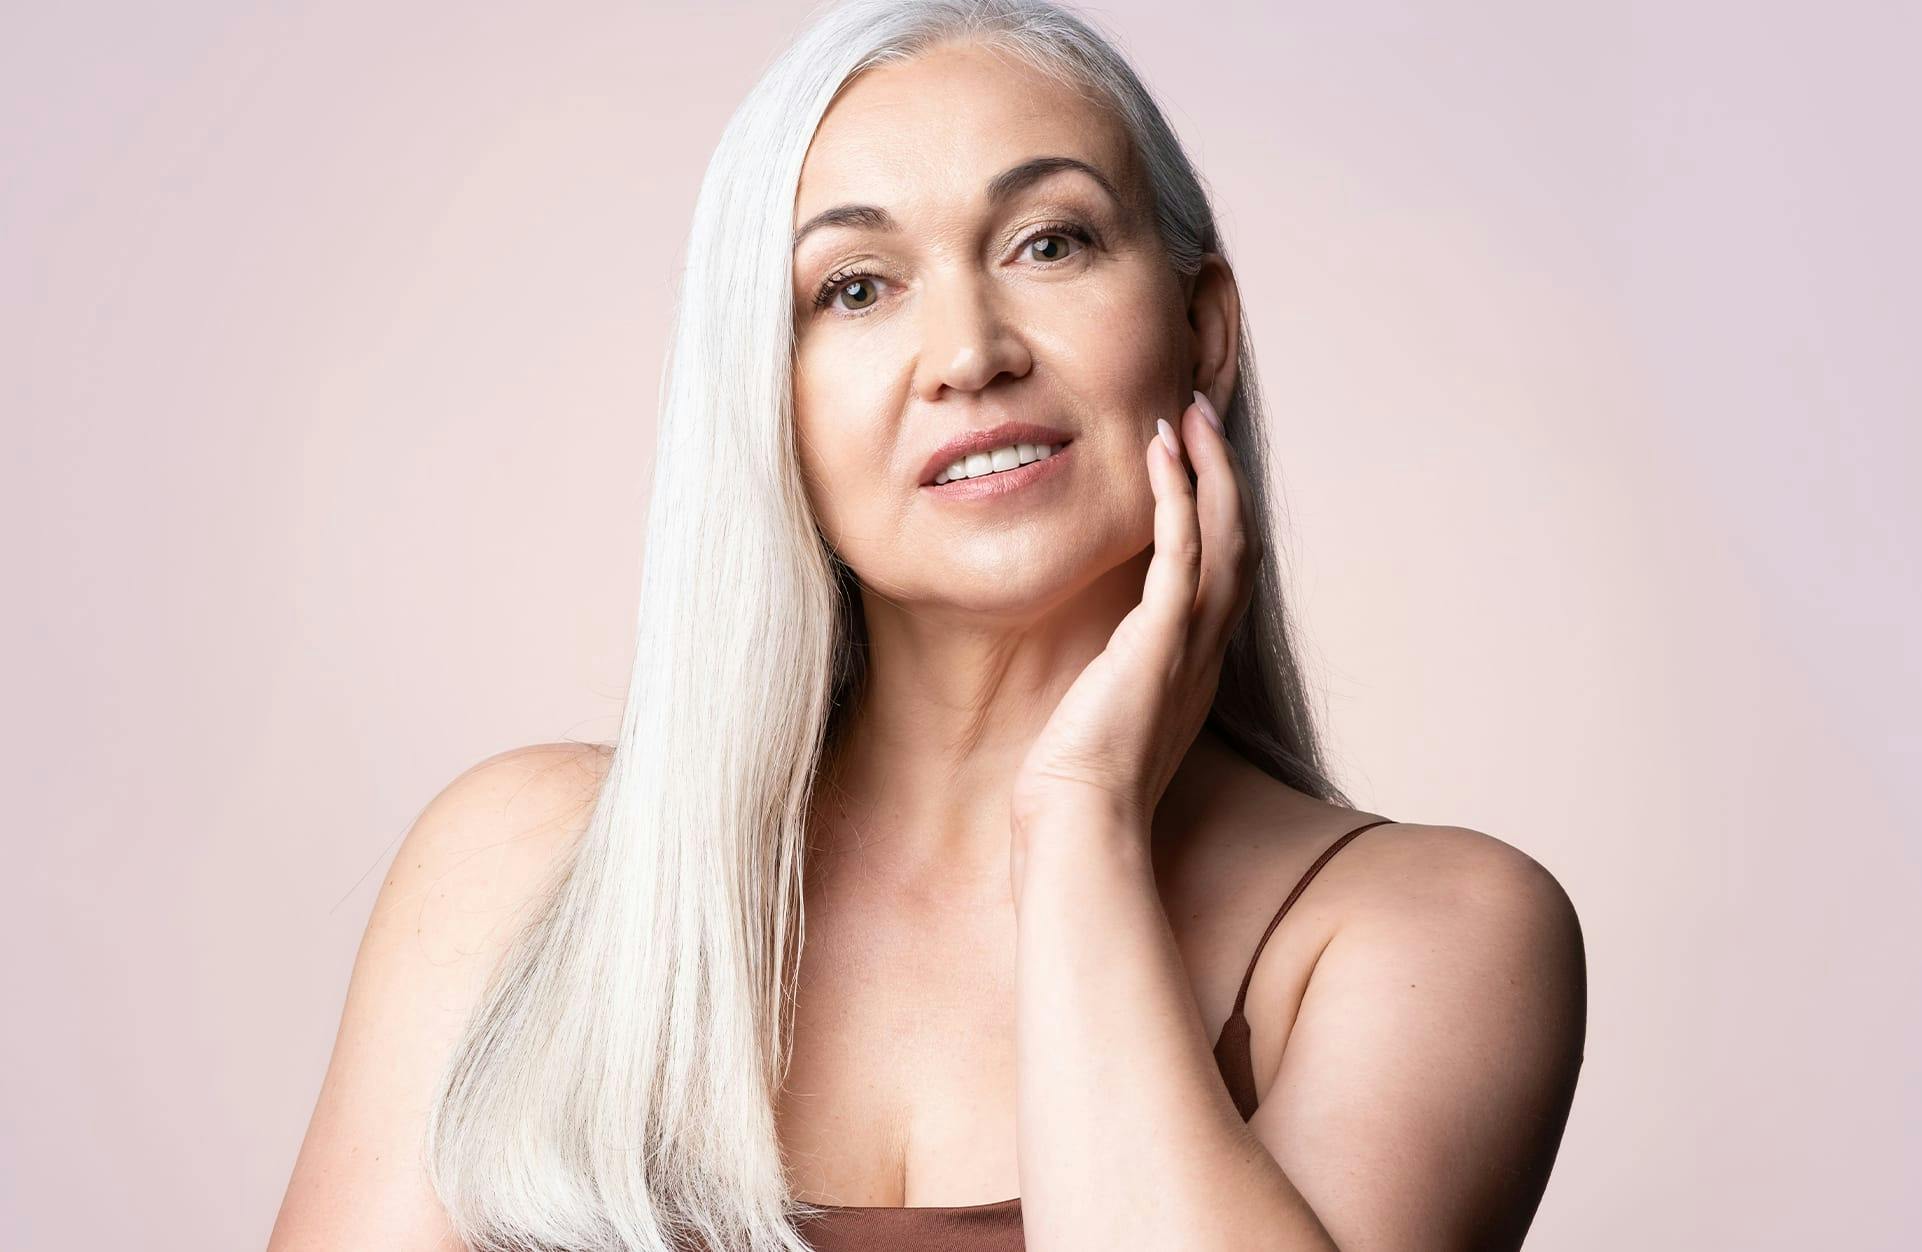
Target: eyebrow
column 1002, row 186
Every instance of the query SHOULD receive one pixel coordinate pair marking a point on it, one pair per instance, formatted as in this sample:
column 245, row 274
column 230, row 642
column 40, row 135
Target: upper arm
column 1425, row 1084
column 474, row 861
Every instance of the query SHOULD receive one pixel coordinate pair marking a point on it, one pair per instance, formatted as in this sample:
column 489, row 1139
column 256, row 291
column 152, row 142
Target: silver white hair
column 615, row 1089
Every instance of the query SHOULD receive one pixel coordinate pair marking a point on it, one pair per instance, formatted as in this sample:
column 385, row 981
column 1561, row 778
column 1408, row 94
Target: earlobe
column 1214, row 328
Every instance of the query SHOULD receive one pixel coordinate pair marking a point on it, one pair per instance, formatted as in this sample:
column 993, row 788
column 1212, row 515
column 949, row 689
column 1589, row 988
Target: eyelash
column 831, row 286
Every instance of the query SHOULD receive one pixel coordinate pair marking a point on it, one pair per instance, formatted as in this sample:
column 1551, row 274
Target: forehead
column 933, row 130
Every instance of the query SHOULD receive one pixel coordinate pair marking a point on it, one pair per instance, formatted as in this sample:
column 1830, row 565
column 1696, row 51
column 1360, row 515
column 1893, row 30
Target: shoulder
column 481, row 851
column 471, row 869
column 1439, row 1038
column 1473, row 915
column 527, row 782
column 536, row 798
column 1454, row 872
column 1397, row 879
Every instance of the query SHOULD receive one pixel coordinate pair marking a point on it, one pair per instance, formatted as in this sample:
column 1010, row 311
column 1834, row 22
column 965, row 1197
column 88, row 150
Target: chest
column 902, row 1084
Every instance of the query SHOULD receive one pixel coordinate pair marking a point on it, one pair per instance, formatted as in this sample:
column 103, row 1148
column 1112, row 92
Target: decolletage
column 996, row 1225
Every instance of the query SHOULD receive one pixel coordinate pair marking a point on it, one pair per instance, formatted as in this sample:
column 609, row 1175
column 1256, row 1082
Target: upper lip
column 986, row 440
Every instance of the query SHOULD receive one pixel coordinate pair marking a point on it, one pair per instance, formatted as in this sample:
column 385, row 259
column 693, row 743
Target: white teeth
column 1013, row 456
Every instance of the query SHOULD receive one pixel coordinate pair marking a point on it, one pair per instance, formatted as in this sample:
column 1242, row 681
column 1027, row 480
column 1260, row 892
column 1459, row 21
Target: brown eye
column 1060, row 250
column 858, row 288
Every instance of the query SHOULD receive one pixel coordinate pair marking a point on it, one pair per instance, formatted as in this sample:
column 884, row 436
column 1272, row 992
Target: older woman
column 958, row 644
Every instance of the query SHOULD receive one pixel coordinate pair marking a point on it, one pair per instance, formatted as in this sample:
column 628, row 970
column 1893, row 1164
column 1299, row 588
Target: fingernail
column 1168, row 437
column 1208, row 411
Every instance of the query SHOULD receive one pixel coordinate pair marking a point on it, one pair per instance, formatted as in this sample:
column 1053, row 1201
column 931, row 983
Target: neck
column 919, row 780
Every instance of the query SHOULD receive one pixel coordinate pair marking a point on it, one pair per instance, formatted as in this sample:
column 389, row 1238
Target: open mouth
column 1003, row 470
column 997, row 461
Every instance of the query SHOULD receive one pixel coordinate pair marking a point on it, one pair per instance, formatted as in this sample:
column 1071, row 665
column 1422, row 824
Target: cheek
column 1121, row 342
column 840, row 434
column 839, row 382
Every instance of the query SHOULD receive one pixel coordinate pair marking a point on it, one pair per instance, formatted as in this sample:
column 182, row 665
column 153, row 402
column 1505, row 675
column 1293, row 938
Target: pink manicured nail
column 1168, row 437
column 1208, row 412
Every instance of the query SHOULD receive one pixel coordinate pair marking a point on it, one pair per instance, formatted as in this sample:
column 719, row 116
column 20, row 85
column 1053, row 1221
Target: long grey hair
column 615, row 1088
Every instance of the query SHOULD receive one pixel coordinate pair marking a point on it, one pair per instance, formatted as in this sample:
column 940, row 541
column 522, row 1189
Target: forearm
column 1127, row 1136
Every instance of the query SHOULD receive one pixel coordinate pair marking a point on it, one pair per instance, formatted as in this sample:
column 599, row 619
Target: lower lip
column 993, row 486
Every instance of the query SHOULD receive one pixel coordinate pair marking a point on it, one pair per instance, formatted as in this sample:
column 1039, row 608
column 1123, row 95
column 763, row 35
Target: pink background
column 1590, row 330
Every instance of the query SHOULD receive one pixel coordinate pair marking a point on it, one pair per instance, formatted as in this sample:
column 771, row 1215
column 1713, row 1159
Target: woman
column 956, row 642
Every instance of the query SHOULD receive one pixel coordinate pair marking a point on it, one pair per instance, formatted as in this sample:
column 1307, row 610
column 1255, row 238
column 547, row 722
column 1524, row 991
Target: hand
column 1121, row 730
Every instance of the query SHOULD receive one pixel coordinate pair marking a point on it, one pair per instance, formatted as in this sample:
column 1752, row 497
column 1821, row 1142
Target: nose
column 966, row 339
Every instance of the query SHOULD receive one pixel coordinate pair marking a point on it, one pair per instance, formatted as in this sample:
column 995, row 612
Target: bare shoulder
column 1468, row 907
column 1410, row 867
column 1265, row 836
column 470, row 872
column 1417, row 1018
column 1465, row 907
column 1433, row 1056
column 486, row 846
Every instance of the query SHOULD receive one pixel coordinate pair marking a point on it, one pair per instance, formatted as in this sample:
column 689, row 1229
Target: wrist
column 1077, row 809
column 1079, row 838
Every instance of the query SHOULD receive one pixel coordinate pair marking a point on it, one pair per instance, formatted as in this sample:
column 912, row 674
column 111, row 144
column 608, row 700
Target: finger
column 1168, row 592
column 1230, row 542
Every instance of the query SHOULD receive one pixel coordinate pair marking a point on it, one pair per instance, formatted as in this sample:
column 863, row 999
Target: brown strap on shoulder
column 1233, row 1053
column 1241, row 996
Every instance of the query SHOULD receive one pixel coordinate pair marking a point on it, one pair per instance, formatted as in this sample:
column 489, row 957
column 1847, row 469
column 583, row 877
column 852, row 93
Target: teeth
column 1013, row 456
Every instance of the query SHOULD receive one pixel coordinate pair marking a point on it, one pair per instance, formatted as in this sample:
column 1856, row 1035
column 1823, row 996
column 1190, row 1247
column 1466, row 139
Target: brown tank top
column 996, row 1225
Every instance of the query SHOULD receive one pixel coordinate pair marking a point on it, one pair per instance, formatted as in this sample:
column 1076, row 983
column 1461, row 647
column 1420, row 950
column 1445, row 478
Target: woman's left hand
column 1121, row 730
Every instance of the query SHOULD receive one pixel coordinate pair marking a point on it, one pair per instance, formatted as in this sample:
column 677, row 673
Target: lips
column 987, row 440
column 1018, row 482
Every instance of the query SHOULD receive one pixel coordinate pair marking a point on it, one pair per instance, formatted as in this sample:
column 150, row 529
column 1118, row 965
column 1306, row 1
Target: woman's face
column 953, row 310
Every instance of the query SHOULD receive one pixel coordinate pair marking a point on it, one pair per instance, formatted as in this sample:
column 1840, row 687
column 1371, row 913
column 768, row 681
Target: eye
column 854, row 284
column 856, row 293
column 1059, row 231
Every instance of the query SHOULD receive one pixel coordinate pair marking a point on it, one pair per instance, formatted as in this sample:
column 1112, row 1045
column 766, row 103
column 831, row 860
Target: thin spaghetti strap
column 1241, row 996
column 1233, row 1047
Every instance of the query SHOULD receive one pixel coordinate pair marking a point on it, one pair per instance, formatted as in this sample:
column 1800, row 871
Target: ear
column 1214, row 329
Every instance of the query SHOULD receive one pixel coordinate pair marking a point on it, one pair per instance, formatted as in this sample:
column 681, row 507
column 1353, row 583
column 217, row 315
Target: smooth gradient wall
column 331, row 339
